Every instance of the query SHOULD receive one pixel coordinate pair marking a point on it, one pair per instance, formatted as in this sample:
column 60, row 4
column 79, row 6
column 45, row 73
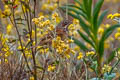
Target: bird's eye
column 66, row 22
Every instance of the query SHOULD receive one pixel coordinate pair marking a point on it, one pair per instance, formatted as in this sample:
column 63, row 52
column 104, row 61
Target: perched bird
column 61, row 30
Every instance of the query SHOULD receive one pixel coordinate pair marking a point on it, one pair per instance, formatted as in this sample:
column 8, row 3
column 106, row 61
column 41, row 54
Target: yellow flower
column 44, row 6
column 54, row 16
column 118, row 29
column 32, row 78
column 75, row 21
column 117, row 35
column 33, row 33
column 9, row 28
column 116, row 15
column 101, row 30
column 71, row 28
column 76, row 48
column 51, row 7
column 109, row 16
column 70, row 41
column 107, row 25
column 35, row 20
column 47, row 22
column 73, row 52
column 41, row 18
column 67, row 56
column 80, row 56
column 6, row 60
column 51, row 27
column 55, row 5
column 90, row 53
column 106, row 68
column 51, row 67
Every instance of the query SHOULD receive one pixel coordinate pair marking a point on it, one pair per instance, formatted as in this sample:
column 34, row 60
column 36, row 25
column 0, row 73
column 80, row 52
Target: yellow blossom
column 106, row 68
column 51, row 67
column 67, row 56
column 51, row 7
column 117, row 35
column 73, row 52
column 44, row 6
column 71, row 27
column 6, row 60
column 116, row 15
column 51, row 27
column 35, row 20
column 109, row 16
column 70, row 41
column 80, row 56
column 47, row 22
column 75, row 21
column 101, row 30
column 107, row 25
column 90, row 53
column 55, row 15
column 118, row 29
column 33, row 33
column 41, row 18
column 9, row 28
column 113, row 16
column 76, row 48
column 32, row 78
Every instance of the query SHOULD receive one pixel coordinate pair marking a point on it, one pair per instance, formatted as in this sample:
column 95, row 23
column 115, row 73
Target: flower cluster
column 51, row 67
column 45, row 25
column 49, row 5
column 62, row 47
column 5, row 50
column 73, row 27
column 80, row 56
column 90, row 53
column 112, row 16
column 106, row 68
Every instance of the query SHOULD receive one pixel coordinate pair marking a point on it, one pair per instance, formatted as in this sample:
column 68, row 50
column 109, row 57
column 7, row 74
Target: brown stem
column 30, row 32
column 19, row 37
column 99, row 66
column 45, row 65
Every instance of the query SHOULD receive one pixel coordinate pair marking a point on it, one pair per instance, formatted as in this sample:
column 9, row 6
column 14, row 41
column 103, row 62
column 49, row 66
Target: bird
column 61, row 31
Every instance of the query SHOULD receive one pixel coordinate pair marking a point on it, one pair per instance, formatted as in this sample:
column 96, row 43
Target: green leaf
column 102, row 17
column 105, row 35
column 86, row 38
column 96, row 13
column 80, row 44
column 85, row 3
column 74, row 15
column 79, row 12
column 77, row 1
column 77, row 7
column 89, row 7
